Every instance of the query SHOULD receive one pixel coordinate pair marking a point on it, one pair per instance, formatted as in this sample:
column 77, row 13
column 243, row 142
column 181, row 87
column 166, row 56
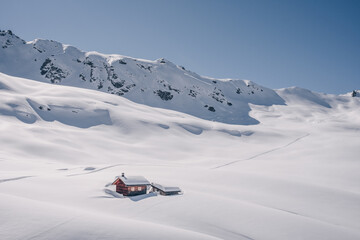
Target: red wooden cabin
column 131, row 185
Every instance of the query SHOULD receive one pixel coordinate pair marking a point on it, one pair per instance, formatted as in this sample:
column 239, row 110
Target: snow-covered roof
column 134, row 180
column 166, row 188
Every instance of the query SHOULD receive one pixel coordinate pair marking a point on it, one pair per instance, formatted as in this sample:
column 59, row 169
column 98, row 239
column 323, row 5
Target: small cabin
column 165, row 190
column 131, row 185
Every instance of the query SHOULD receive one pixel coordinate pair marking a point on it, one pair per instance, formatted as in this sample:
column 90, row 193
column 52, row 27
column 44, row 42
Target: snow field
column 292, row 176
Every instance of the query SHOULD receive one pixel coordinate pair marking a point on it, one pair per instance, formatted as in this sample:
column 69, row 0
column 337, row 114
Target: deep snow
column 295, row 175
column 158, row 83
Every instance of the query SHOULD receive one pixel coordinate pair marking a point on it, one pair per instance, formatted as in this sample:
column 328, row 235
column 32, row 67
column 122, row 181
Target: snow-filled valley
column 293, row 176
column 287, row 167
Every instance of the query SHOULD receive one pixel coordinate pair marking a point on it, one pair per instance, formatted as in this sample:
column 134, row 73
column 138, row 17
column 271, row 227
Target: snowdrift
column 293, row 175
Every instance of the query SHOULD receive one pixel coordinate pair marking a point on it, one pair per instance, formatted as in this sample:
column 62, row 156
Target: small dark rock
column 173, row 89
column 131, row 86
column 211, row 109
column 88, row 62
column 118, row 84
column 164, row 95
column 82, row 77
column 193, row 93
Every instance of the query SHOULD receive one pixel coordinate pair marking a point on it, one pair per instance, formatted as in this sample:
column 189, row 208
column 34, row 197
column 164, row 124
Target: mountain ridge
column 158, row 83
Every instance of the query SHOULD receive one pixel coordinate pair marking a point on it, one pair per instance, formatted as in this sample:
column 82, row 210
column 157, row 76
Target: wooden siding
column 129, row 190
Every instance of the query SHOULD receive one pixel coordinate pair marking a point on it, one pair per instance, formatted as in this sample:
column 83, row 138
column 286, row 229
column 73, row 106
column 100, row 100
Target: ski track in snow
column 36, row 236
column 302, row 215
column 294, row 214
column 242, row 236
column 97, row 170
column 14, row 179
column 263, row 153
column 116, row 165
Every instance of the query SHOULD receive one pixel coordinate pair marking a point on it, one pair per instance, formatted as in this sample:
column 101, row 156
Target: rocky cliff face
column 158, row 83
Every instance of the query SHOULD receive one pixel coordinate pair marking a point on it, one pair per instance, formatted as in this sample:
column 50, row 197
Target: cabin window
column 132, row 188
column 139, row 188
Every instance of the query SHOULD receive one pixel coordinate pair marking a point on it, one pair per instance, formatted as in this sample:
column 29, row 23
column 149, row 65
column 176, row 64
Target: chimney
column 123, row 174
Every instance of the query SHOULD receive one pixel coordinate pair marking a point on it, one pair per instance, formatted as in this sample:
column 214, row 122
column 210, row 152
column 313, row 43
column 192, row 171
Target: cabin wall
column 170, row 193
column 165, row 193
column 137, row 192
column 130, row 190
column 122, row 189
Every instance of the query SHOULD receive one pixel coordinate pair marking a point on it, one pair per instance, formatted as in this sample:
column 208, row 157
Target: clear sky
column 314, row 44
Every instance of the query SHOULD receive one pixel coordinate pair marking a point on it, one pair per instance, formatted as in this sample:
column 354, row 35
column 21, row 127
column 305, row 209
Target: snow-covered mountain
column 158, row 83
column 294, row 176
column 354, row 93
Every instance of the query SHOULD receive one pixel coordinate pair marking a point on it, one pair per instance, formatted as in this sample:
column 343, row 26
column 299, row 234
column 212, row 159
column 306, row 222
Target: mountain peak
column 8, row 39
column 6, row 32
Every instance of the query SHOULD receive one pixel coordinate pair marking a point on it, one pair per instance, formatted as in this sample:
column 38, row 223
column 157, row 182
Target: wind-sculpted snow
column 294, row 175
column 192, row 129
column 286, row 167
column 72, row 115
column 15, row 110
column 304, row 95
column 158, row 83
column 4, row 87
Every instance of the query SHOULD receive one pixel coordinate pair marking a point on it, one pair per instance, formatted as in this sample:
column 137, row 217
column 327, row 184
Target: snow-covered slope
column 354, row 93
column 293, row 176
column 158, row 83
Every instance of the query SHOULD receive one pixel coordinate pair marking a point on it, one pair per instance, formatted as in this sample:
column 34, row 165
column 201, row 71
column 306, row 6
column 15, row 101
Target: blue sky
column 311, row 44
